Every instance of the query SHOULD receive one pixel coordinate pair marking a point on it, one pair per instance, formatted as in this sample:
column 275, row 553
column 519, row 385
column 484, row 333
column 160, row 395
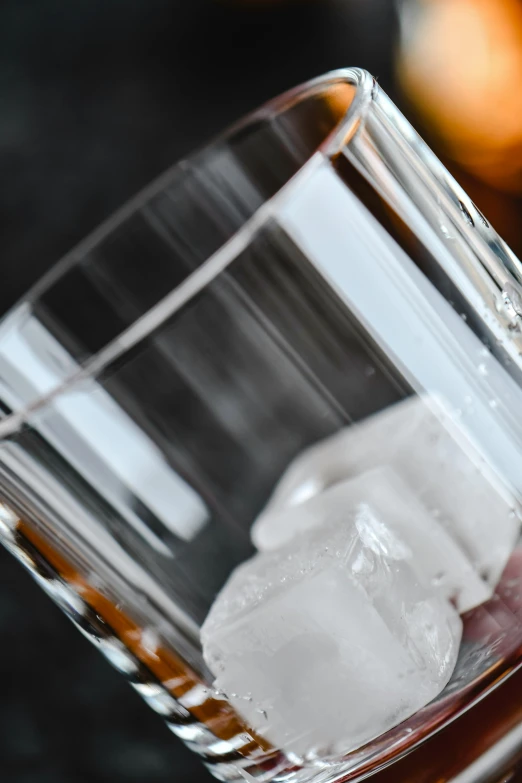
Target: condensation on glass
column 314, row 267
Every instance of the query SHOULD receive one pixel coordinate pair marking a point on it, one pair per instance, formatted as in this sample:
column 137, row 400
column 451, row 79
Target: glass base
column 459, row 732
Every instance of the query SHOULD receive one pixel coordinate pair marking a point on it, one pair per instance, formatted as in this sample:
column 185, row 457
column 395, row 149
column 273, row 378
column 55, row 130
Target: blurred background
column 96, row 99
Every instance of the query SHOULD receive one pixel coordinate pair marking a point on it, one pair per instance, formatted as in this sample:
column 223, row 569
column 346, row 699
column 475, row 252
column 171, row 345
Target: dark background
column 96, row 99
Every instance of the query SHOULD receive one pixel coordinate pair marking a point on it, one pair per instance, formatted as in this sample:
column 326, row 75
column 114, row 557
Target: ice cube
column 435, row 459
column 436, row 558
column 327, row 642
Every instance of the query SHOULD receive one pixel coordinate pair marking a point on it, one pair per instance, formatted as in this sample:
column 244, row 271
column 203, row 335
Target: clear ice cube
column 437, row 461
column 330, row 641
column 436, row 557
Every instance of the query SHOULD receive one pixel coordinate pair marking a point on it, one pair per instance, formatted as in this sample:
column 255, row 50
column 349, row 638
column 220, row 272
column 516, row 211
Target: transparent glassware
column 313, row 267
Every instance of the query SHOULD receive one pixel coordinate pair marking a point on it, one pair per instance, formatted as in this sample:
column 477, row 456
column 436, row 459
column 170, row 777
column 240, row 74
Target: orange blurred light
column 460, row 65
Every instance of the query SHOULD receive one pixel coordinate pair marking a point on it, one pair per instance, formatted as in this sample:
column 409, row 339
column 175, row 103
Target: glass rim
column 341, row 134
column 359, row 78
column 364, row 84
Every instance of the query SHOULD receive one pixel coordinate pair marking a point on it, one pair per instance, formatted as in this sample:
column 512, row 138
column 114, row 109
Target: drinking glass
column 313, row 267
